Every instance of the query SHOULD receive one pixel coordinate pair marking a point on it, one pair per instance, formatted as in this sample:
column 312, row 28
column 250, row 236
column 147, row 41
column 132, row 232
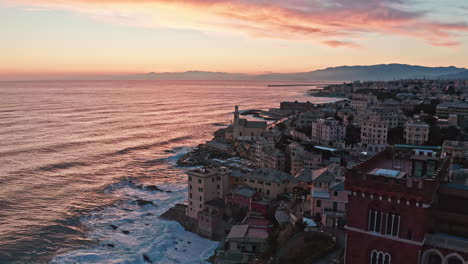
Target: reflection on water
column 62, row 144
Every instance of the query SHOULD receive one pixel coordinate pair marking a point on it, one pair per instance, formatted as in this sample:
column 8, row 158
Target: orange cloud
column 343, row 21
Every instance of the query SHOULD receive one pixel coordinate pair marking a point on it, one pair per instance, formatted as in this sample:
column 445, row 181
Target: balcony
column 448, row 242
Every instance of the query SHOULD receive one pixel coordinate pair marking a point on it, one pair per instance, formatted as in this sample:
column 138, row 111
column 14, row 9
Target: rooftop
column 318, row 193
column 253, row 124
column 388, row 173
column 269, row 175
column 246, row 232
column 244, row 191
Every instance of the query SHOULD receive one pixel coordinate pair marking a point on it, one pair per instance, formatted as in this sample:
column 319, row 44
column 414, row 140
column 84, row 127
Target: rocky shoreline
column 201, row 156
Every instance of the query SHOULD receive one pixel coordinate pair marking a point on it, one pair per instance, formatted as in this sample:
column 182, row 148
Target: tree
column 396, row 135
column 353, row 135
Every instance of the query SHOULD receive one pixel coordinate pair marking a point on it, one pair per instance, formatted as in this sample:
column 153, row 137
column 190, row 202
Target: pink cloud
column 335, row 23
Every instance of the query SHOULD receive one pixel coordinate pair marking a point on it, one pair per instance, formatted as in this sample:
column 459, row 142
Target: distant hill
column 462, row 75
column 381, row 72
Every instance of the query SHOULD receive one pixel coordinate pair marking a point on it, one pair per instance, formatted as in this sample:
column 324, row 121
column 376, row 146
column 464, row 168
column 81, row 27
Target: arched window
column 374, row 255
column 386, row 259
column 379, row 257
column 454, row 259
column 432, row 256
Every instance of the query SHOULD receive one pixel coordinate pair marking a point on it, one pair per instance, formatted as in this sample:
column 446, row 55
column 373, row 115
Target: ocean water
column 73, row 155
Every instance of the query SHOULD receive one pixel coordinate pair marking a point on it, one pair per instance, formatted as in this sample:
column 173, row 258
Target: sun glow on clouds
column 334, row 23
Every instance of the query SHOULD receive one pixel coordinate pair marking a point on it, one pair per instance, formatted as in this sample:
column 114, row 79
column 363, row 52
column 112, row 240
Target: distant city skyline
column 62, row 38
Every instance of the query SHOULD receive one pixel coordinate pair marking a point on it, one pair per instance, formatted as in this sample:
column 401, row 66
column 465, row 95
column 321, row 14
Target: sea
column 75, row 156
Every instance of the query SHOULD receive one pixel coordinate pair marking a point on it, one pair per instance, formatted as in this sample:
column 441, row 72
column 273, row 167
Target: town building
column 326, row 131
column 447, row 108
column 204, row 185
column 363, row 101
column 297, row 107
column 267, row 156
column 246, row 199
column 456, row 149
column 244, row 129
column 373, row 133
column 243, row 243
column 269, row 183
column 390, row 208
column 416, row 132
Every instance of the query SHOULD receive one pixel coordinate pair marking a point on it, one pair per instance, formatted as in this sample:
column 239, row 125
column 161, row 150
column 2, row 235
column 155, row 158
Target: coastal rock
column 110, row 245
column 126, row 232
column 200, row 156
column 152, row 188
column 142, row 202
column 147, row 259
column 114, row 227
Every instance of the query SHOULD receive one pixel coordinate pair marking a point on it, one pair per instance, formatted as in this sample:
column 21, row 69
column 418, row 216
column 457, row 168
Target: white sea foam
column 161, row 241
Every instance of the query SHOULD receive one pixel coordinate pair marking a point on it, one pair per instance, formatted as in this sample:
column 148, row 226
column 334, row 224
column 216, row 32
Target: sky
column 62, row 38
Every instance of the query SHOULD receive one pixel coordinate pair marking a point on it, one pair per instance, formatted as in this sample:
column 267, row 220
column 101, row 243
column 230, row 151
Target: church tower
column 235, row 123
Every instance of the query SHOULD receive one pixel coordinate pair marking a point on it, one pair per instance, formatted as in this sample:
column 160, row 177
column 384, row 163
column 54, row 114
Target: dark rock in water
column 125, row 232
column 148, row 214
column 189, row 242
column 110, row 245
column 201, row 156
column 169, row 191
column 152, row 188
column 142, row 202
column 176, row 242
column 147, row 259
column 114, row 227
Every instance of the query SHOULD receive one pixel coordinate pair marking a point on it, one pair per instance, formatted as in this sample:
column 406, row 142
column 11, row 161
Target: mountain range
column 381, row 72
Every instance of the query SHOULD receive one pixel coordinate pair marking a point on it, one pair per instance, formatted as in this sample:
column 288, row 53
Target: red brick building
column 400, row 211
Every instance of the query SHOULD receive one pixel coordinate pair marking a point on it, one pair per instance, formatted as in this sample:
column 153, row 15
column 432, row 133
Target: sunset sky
column 55, row 38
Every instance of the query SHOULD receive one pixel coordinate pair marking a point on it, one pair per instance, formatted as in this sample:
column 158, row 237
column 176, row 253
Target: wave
column 130, row 232
column 62, row 165
column 157, row 144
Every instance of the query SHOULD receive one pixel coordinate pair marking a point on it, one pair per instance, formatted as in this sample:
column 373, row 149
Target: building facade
column 244, row 129
column 374, row 132
column 205, row 185
column 416, row 132
column 327, row 130
column 390, row 206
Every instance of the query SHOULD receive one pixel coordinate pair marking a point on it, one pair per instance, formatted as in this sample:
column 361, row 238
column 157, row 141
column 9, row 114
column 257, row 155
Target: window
column 375, row 221
column 379, row 257
column 217, row 186
column 190, row 178
column 190, row 186
column 268, row 192
column 335, row 193
column 190, row 195
column 212, row 179
column 199, row 181
column 319, row 203
column 201, row 198
column 392, row 224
